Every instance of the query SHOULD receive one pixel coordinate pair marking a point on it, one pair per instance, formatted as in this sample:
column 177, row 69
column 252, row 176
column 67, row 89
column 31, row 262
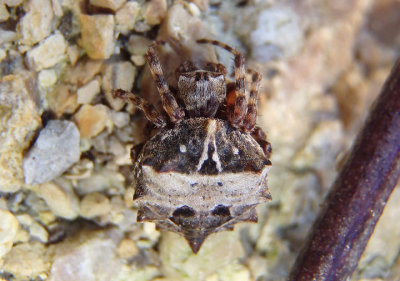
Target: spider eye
column 184, row 211
column 221, row 210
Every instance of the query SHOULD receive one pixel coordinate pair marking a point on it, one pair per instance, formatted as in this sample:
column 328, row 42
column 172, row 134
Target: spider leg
column 236, row 100
column 251, row 115
column 149, row 111
column 186, row 66
column 216, row 67
column 170, row 105
column 261, row 138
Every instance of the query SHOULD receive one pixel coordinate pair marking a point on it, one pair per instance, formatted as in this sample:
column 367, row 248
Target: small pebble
column 95, row 204
column 127, row 16
column 13, row 3
column 25, row 219
column 92, row 119
column 83, row 72
column 277, row 34
column 48, row 53
column 86, row 259
column 54, row 151
column 8, row 231
column 62, row 201
column 73, row 54
column 201, row 4
column 36, row 24
column 98, row 35
column 108, row 4
column 3, row 54
column 88, row 92
column 37, row 231
column 47, row 78
column 155, row 12
column 120, row 119
column 65, row 100
column 127, row 248
column 19, row 118
column 4, row 14
column 26, row 261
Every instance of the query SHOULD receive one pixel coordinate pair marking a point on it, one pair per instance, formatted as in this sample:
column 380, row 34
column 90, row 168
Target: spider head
column 202, row 92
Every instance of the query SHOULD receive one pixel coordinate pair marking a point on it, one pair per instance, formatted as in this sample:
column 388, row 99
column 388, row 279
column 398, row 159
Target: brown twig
column 358, row 196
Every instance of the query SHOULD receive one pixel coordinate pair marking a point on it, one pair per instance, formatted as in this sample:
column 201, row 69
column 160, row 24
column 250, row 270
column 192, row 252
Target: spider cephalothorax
column 206, row 168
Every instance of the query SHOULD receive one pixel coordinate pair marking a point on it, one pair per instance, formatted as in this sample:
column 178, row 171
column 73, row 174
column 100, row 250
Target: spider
column 206, row 167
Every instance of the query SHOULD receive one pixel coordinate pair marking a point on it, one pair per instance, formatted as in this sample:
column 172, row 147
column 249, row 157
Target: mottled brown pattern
column 206, row 168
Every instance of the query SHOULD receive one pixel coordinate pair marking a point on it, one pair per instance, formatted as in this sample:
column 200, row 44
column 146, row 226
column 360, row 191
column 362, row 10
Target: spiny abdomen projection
column 200, row 177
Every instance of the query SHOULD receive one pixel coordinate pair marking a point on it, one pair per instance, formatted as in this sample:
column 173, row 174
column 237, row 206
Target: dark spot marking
column 209, row 167
column 220, row 183
column 221, row 210
column 184, row 211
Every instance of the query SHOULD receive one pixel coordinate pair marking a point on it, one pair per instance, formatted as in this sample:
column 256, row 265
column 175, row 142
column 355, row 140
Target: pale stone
column 57, row 7
column 19, row 118
column 13, row 3
column 86, row 258
column 127, row 248
column 138, row 60
column 120, row 75
column 63, row 100
column 83, row 72
column 54, row 151
column 231, row 272
column 102, row 180
column 4, row 14
column 61, row 200
column 47, row 78
column 48, row 53
column 8, row 231
column 194, row 9
column 22, row 236
column 37, row 22
column 91, row 120
column 155, row 12
column 149, row 229
column 180, row 263
column 109, row 4
column 39, row 232
column 26, row 261
column 3, row 54
column 94, row 204
column 138, row 45
column 88, row 92
column 73, row 54
column 127, row 16
column 25, row 219
column 97, row 33
column 7, row 36
column 46, row 217
column 277, row 34
column 120, row 119
column 201, row 4
column 139, row 273
column 11, row 174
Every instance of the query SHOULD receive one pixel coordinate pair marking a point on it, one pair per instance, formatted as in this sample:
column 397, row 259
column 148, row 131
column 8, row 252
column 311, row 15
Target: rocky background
column 66, row 210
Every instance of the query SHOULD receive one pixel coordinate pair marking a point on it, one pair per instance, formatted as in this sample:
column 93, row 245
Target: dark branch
column 359, row 194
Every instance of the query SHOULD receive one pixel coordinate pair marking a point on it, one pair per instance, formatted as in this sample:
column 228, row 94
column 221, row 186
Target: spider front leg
column 261, row 138
column 216, row 67
column 149, row 111
column 251, row 115
column 170, row 105
column 236, row 99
